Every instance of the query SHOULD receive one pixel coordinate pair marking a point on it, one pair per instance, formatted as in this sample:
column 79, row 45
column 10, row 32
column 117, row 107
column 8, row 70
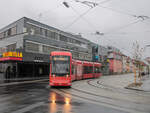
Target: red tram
column 64, row 69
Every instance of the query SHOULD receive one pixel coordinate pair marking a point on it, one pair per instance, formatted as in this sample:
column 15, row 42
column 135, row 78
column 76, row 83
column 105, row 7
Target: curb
column 24, row 82
column 131, row 88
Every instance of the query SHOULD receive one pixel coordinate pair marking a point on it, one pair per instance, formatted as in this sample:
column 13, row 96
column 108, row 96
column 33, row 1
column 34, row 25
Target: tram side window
column 97, row 69
column 1, row 67
column 90, row 69
column 72, row 70
column 87, row 69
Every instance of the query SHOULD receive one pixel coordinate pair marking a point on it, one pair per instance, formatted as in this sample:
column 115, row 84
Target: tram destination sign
column 60, row 58
column 13, row 54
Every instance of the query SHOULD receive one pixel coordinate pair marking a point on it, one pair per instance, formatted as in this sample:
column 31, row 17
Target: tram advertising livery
column 64, row 69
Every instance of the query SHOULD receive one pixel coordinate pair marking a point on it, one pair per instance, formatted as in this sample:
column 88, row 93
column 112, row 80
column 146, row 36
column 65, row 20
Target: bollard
column 134, row 76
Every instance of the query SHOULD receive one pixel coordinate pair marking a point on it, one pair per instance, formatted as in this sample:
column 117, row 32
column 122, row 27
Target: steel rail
column 117, row 107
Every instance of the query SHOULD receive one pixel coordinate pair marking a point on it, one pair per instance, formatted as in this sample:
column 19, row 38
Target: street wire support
column 90, row 4
column 93, row 5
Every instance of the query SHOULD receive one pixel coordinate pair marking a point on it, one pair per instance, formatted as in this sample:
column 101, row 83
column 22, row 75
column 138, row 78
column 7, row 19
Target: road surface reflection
column 59, row 104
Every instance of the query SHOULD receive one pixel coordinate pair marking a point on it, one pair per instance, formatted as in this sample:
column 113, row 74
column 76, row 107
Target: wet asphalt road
column 39, row 98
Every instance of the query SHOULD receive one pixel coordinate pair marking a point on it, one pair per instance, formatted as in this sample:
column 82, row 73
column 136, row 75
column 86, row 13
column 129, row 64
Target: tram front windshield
column 60, row 65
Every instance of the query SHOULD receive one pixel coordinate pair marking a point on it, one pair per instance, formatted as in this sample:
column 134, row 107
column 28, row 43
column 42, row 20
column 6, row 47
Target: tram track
column 65, row 93
column 105, row 97
column 100, row 99
column 119, row 90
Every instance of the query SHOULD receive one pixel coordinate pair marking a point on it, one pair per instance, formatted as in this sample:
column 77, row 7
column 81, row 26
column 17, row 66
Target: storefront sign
column 13, row 54
column 38, row 59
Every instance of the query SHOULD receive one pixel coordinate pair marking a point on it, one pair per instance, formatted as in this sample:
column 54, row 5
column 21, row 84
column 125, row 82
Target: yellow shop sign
column 12, row 54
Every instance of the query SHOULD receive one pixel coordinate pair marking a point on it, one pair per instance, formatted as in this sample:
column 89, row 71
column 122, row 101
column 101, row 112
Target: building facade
column 100, row 54
column 115, row 60
column 25, row 47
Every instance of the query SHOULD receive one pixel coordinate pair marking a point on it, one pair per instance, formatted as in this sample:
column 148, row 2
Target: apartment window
column 70, row 40
column 111, row 55
column 45, row 32
column 2, row 50
column 81, row 56
column 75, row 55
column 32, row 47
column 41, row 31
column 52, row 35
column 1, row 35
column 78, row 42
column 63, row 49
column 63, row 38
column 34, row 28
column 13, row 30
column 11, row 47
column 9, row 32
column 84, row 45
column 6, row 34
column 48, row 49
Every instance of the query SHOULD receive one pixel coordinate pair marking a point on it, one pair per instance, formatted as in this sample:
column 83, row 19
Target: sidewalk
column 144, row 87
column 117, row 81
column 124, row 81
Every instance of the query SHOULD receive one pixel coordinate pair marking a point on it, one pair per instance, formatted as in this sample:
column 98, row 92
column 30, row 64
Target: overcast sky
column 115, row 20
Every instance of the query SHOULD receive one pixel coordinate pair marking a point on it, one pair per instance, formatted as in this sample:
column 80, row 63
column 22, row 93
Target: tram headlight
column 53, row 75
column 67, row 75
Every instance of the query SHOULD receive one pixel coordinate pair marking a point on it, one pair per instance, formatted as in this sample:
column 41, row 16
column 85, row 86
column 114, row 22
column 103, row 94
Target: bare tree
column 137, row 56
